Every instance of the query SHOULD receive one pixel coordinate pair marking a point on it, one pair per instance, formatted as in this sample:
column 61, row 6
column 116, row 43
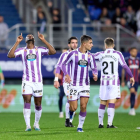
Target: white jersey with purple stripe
column 60, row 61
column 109, row 61
column 80, row 63
column 31, row 59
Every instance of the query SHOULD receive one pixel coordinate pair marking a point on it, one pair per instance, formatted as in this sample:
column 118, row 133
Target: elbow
column 52, row 52
column 10, row 56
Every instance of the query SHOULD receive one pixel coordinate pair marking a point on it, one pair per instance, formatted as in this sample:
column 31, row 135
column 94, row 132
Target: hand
column 40, row 36
column 123, row 84
column 132, row 81
column 67, row 79
column 95, row 77
column 20, row 38
column 56, row 84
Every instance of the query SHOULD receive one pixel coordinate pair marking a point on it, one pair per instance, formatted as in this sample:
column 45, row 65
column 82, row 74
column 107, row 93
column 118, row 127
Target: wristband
column 56, row 79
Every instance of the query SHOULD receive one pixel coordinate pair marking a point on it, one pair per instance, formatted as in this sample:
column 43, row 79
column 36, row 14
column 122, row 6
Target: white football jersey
column 109, row 61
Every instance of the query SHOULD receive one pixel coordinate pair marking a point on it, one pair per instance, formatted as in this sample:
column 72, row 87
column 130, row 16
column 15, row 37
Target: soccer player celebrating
column 134, row 64
column 32, row 77
column 72, row 44
column 80, row 60
column 109, row 82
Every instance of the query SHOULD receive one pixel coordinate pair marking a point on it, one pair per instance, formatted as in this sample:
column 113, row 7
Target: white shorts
column 66, row 87
column 109, row 92
column 79, row 91
column 35, row 89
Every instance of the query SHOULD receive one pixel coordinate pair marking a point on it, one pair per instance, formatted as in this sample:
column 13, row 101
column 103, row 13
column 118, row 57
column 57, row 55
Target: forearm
column 12, row 50
column 50, row 47
column 58, row 70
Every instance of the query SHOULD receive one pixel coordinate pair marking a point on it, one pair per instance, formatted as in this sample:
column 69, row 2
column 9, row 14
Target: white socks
column 27, row 113
column 67, row 110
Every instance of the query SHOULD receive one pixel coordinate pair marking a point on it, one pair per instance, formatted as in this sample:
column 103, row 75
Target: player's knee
column 73, row 108
column 132, row 90
column 83, row 106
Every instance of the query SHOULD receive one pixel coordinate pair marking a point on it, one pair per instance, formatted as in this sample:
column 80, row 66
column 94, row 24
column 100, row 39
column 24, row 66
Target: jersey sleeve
column 124, row 65
column 121, row 59
column 44, row 50
column 59, row 63
column 97, row 56
column 93, row 65
column 67, row 60
column 18, row 52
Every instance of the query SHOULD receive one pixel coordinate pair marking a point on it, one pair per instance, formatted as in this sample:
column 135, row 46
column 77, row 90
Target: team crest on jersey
column 31, row 57
column 89, row 56
column 82, row 63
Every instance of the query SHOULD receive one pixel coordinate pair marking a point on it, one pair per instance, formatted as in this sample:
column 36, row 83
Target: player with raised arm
column 80, row 60
column 72, row 44
column 134, row 64
column 32, row 76
column 109, row 82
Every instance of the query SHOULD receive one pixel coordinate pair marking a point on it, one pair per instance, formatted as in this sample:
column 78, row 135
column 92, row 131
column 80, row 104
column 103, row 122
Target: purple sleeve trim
column 128, row 70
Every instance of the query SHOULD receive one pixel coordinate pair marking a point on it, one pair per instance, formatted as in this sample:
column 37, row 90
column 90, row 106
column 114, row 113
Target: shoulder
column 118, row 53
column 98, row 53
column 73, row 52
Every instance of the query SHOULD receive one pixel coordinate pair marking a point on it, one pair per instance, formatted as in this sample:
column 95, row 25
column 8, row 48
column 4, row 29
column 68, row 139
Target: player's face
column 73, row 44
column 88, row 45
column 133, row 52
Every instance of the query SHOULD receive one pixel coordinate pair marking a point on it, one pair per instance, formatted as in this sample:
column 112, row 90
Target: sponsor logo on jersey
column 23, row 90
column 31, row 57
column 85, row 91
column 40, row 93
column 70, row 97
column 82, row 63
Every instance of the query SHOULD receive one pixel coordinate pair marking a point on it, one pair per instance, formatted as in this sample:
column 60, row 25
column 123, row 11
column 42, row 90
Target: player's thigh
column 83, row 102
column 37, row 89
column 73, row 105
column 132, row 90
column 27, row 98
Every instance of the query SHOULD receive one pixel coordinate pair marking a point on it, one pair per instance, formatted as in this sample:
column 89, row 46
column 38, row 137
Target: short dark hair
column 109, row 41
column 132, row 48
column 73, row 37
column 85, row 38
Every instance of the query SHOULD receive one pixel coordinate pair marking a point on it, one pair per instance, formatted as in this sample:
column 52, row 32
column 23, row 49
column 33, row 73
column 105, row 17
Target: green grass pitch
column 12, row 127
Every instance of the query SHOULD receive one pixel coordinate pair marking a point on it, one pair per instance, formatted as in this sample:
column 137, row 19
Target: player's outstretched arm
column 49, row 46
column 12, row 50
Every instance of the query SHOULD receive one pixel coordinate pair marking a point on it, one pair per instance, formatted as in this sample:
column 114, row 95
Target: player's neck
column 109, row 48
column 30, row 46
column 82, row 49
